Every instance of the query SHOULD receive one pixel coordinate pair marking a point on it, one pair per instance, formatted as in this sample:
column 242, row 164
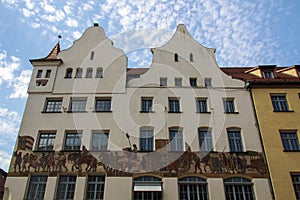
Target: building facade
column 95, row 129
column 276, row 92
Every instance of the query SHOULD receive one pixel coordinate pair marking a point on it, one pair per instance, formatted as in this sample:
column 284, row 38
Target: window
column 92, row 55
column 46, row 141
column 205, row 139
column 279, row 103
column 99, row 72
column 174, row 105
column 78, row 73
column 191, row 57
column 268, row 74
column 146, row 105
column 289, row 140
column 235, row 140
column 73, row 141
column 146, row 139
column 178, row 82
column 66, row 187
column 207, row 82
column 77, row 104
column 103, row 104
column 95, row 187
column 39, row 73
column 193, row 82
column 100, row 140
column 147, row 188
column 201, row 105
column 228, row 105
column 163, row 82
column 238, row 188
column 48, row 73
column 53, row 105
column 296, row 184
column 176, row 57
column 89, row 73
column 69, row 72
column 36, row 187
column 193, row 188
column 176, row 141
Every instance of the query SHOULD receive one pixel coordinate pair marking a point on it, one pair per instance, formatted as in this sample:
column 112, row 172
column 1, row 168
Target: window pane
column 163, row 81
column 100, row 140
column 103, row 105
column 205, row 140
column 146, row 104
column 146, row 140
column 77, row 104
column 279, row 103
column 235, row 140
column 48, row 73
column 95, row 187
column 174, row 105
column 178, row 82
column 176, row 141
column 290, row 141
column 37, row 186
column 46, row 141
column 201, row 105
column 238, row 189
column 73, row 141
column 228, row 105
column 53, row 105
column 66, row 187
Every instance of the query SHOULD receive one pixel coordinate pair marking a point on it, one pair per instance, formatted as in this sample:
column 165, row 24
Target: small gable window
column 191, row 57
column 48, row 73
column 78, row 73
column 99, row 73
column 268, row 74
column 92, row 55
column 89, row 72
column 69, row 72
column 176, row 57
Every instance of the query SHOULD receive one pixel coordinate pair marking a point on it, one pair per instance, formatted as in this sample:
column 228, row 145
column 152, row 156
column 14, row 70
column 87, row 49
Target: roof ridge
column 53, row 53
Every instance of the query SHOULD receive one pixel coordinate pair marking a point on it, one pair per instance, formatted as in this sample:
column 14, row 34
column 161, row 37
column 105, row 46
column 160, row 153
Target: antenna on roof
column 59, row 37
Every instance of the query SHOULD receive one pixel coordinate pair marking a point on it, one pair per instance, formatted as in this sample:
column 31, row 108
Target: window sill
column 104, row 111
column 174, row 112
column 147, row 111
column 203, row 112
column 51, row 112
column 76, row 111
column 283, row 111
column 231, row 112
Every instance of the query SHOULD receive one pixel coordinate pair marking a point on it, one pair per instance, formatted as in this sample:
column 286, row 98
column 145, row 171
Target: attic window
column 207, row 82
column 78, row 73
column 176, row 57
column 39, row 73
column 99, row 72
column 89, row 72
column 48, row 73
column 69, row 72
column 191, row 57
column 268, row 74
column 92, row 55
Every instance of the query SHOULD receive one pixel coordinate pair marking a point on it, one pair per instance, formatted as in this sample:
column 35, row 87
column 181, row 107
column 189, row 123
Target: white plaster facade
column 95, row 50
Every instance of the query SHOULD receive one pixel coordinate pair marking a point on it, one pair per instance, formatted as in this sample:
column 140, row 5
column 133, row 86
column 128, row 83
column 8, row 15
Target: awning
column 147, row 188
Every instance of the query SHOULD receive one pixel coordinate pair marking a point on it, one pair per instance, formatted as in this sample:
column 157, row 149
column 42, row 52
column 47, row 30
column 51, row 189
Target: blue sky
column 244, row 32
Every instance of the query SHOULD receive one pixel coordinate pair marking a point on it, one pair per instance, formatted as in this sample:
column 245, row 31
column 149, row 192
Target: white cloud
column 5, row 158
column 76, row 35
column 71, row 22
column 8, row 67
column 29, row 4
column 27, row 13
column 20, row 85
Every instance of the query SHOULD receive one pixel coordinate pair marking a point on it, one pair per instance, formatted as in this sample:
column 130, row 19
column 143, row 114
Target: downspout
column 248, row 87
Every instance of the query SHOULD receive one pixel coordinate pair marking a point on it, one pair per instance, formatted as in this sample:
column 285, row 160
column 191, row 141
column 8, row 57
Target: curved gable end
column 184, row 57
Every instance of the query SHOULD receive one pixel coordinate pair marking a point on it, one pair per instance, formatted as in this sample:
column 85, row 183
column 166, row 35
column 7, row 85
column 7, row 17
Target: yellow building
column 275, row 93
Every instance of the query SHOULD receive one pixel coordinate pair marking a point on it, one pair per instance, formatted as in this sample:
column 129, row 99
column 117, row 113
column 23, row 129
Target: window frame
column 69, row 73
column 48, row 73
column 193, row 81
column 79, row 72
column 146, row 139
column 280, row 105
column 163, row 81
column 101, row 104
column 89, row 72
column 36, row 187
column 241, row 183
column 267, row 74
column 235, row 141
column 198, row 184
column 290, row 142
column 79, row 108
column 146, row 106
column 176, row 141
column 49, row 138
column 229, row 105
column 201, row 108
column 178, row 81
column 174, row 104
column 191, row 57
column 94, row 187
column 147, row 181
column 75, row 140
column 99, row 72
column 39, row 73
column 205, row 139
column 103, row 139
column 295, row 178
column 66, row 187
column 56, row 105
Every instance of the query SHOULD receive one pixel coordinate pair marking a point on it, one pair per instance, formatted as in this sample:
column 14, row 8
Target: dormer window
column 268, row 74
column 176, row 57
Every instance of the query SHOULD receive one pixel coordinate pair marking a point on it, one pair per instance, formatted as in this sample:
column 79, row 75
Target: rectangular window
column 39, row 73
column 296, row 184
column 174, row 105
column 178, row 82
column 53, row 105
column 46, row 141
column 207, row 82
column 146, row 139
column 268, row 74
column 103, row 104
column 201, row 105
column 235, row 140
column 193, row 82
column 146, row 104
column 205, row 140
column 77, row 104
column 228, row 105
column 95, row 187
column 100, row 140
column 289, row 140
column 36, row 187
column 279, row 103
column 163, row 81
column 176, row 140
column 73, row 141
column 48, row 73
column 66, row 187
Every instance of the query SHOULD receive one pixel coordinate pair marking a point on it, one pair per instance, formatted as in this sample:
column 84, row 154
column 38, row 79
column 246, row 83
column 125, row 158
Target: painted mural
column 128, row 162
